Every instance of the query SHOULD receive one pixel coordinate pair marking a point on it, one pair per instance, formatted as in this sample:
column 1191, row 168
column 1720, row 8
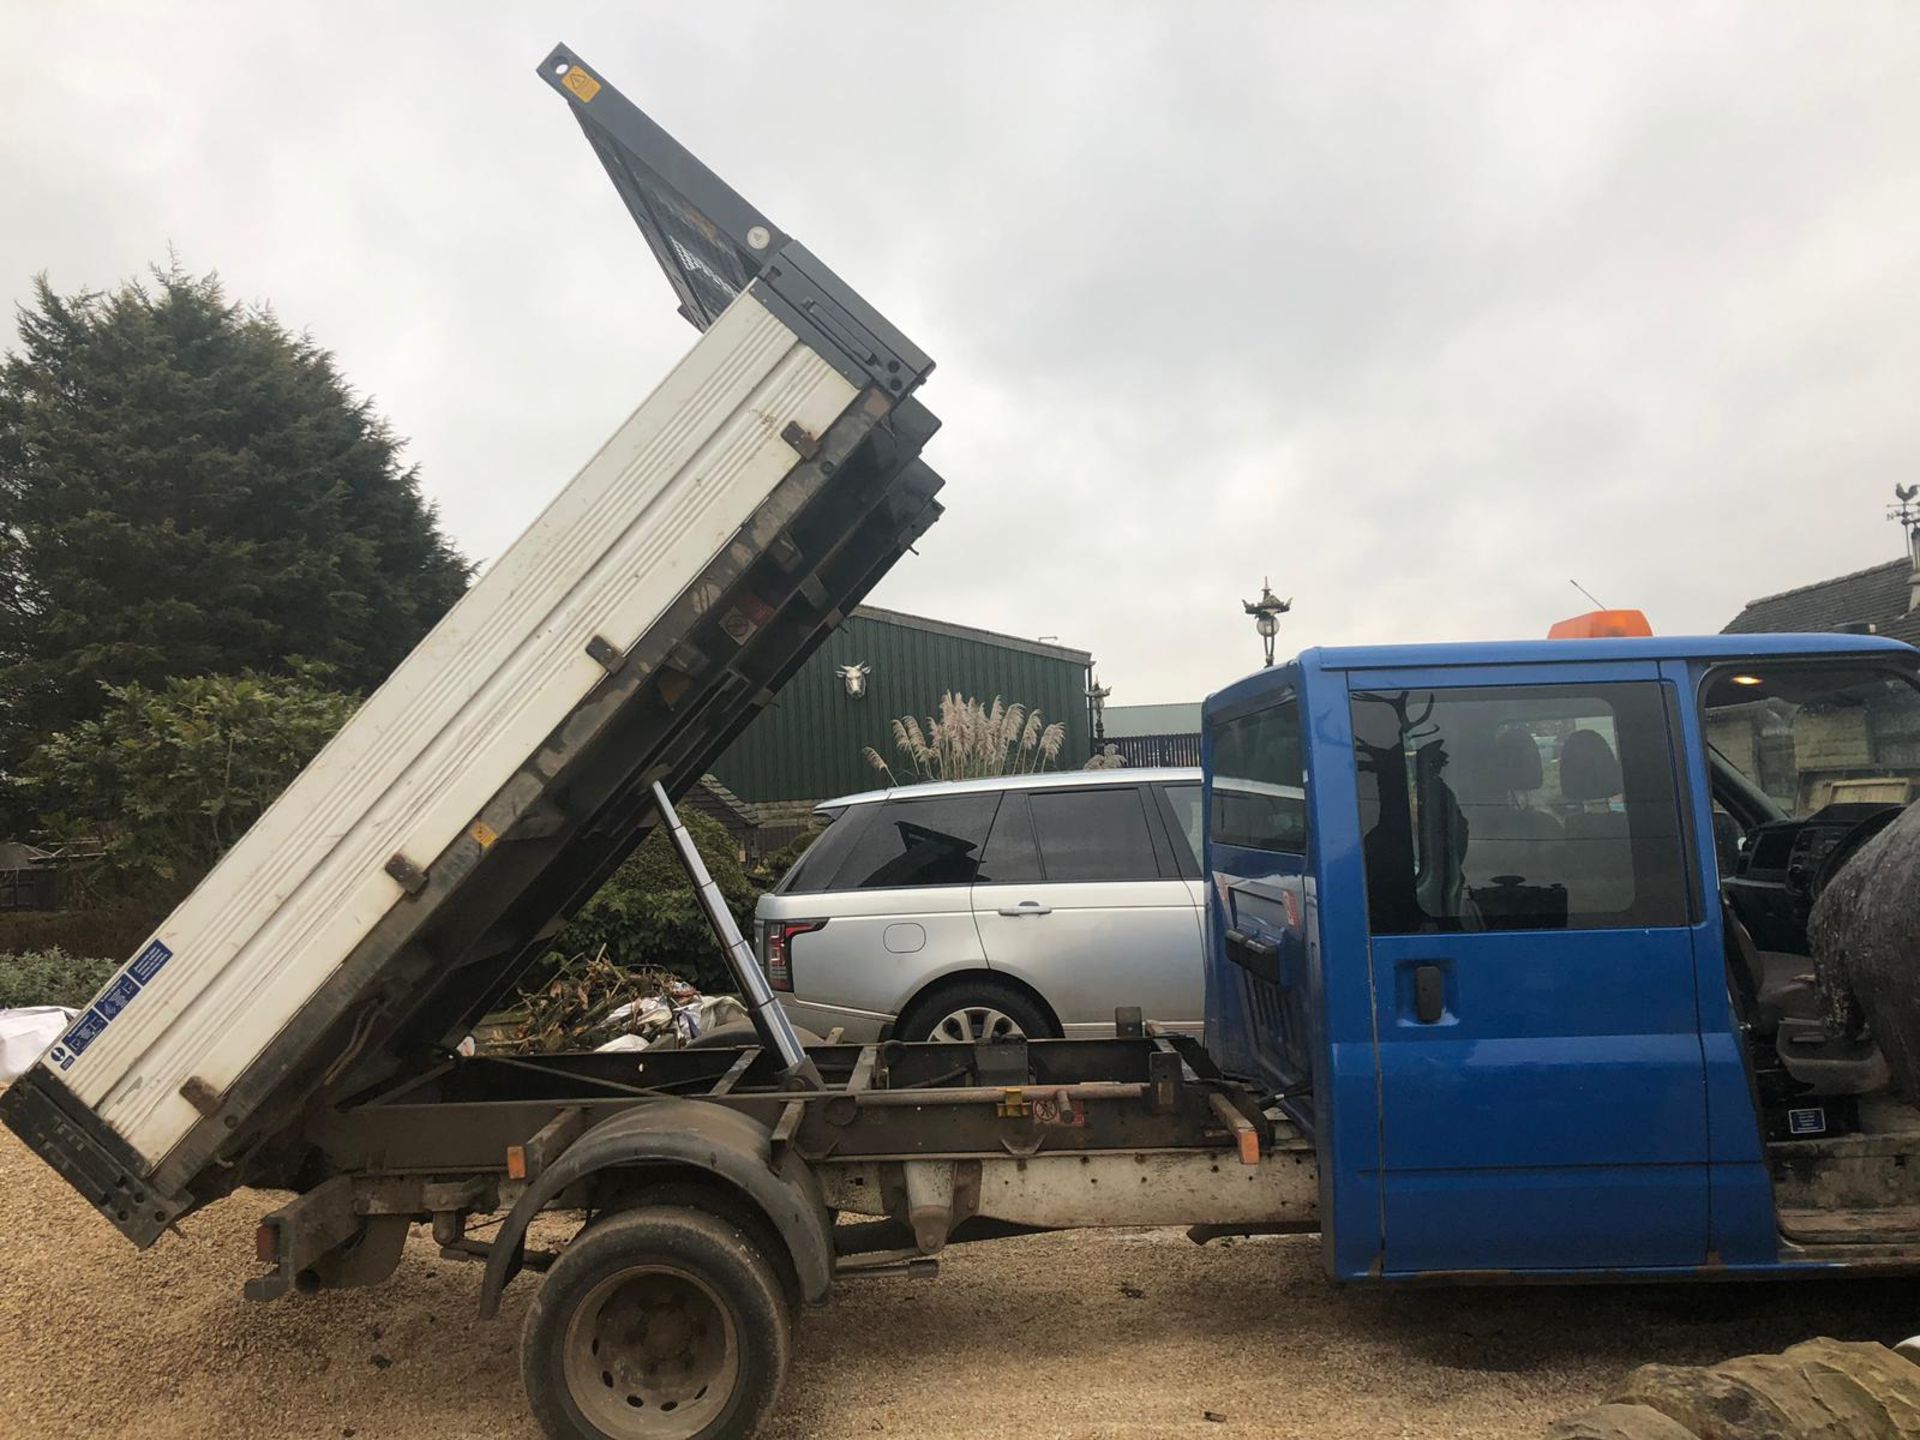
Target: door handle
column 1257, row 956
column 1026, row 907
column 1429, row 994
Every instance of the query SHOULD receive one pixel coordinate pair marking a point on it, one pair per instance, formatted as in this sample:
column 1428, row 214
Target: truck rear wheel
column 658, row 1323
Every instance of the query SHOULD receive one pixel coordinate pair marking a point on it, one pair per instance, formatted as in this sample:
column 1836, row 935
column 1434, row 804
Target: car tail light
column 779, row 954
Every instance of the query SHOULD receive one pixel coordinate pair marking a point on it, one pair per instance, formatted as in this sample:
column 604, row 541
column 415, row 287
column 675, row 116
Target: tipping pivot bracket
column 412, row 877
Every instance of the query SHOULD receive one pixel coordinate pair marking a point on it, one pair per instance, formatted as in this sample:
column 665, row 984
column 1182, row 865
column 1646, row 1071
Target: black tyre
column 659, row 1323
column 969, row 1010
column 741, row 1032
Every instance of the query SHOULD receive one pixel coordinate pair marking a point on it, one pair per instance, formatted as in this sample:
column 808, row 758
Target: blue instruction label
column 147, row 963
column 1807, row 1122
column 117, row 996
column 86, row 1031
column 124, row 989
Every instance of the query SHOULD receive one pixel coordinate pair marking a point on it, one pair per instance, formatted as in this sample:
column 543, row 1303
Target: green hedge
column 51, row 977
column 646, row 916
column 115, row 929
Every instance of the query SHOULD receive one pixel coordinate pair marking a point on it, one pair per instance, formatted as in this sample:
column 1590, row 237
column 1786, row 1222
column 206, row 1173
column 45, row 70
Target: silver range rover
column 1033, row 904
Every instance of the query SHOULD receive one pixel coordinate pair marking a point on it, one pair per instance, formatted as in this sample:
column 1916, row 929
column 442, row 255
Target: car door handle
column 1027, row 907
column 1429, row 994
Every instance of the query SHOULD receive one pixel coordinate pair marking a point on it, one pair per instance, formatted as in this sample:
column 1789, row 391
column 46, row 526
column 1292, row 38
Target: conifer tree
column 187, row 488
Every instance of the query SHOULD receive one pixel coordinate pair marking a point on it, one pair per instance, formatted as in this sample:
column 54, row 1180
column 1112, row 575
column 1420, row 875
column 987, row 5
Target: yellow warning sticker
column 581, row 84
column 484, row 833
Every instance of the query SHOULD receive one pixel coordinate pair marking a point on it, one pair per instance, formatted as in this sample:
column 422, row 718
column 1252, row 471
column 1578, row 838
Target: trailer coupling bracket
column 609, row 656
column 300, row 1233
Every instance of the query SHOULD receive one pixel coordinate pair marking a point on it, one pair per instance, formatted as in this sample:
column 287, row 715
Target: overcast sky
column 1421, row 310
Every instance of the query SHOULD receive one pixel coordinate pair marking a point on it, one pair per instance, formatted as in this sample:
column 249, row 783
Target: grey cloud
column 1419, row 310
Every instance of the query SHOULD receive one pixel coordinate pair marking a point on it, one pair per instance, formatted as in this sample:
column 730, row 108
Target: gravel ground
column 1125, row 1334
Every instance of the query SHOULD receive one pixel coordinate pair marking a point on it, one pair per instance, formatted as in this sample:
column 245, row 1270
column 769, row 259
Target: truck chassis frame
column 1136, row 1130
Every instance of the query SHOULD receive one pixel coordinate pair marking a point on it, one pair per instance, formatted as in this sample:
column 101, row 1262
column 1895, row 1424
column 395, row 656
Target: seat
column 1780, row 1001
column 1513, row 858
column 1599, row 863
column 1830, row 1066
column 1775, row 987
column 1506, row 835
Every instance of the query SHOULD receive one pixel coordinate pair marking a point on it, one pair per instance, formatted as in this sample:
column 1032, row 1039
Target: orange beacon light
column 1600, row 624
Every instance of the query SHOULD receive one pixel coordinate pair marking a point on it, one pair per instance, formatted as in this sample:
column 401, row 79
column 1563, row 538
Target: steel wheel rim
column 651, row 1354
column 971, row 1023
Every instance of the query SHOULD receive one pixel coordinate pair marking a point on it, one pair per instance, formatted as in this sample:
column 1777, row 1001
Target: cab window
column 1541, row 807
column 1259, row 781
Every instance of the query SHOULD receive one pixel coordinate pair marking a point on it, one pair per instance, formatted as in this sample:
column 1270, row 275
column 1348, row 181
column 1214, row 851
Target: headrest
column 1493, row 767
column 1589, row 770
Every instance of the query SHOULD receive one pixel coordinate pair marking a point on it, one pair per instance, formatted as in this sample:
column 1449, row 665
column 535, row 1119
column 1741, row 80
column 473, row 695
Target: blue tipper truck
column 1510, row 971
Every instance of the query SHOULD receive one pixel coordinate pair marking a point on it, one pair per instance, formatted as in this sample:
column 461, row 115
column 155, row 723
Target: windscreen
column 1812, row 735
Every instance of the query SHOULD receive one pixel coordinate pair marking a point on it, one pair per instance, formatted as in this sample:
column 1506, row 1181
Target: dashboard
column 1771, row 889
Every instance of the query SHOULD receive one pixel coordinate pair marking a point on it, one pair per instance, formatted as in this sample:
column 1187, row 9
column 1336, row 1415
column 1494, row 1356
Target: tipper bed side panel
column 413, row 767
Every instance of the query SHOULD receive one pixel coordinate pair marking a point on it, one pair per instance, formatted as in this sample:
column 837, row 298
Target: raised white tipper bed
column 427, row 855
column 410, row 771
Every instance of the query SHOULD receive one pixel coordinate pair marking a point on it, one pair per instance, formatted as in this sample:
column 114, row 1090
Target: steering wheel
column 1850, row 845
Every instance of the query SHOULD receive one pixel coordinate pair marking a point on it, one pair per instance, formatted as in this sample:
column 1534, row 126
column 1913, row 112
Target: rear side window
column 1259, row 781
column 1094, row 834
column 1013, row 857
column 1187, row 816
column 811, row 873
column 918, row 843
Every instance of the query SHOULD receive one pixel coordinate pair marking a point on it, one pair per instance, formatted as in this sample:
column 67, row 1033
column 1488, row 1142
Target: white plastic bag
column 25, row 1035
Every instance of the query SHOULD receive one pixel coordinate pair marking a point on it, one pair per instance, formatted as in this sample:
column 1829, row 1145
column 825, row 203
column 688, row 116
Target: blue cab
column 1517, row 933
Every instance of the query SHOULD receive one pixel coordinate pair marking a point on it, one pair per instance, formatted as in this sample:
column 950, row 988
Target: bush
column 773, row 869
column 646, row 915
column 51, row 977
column 169, row 778
column 969, row 741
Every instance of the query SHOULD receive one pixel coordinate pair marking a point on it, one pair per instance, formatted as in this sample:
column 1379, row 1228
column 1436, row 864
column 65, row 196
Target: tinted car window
column 1187, row 814
column 813, row 871
column 1012, row 857
column 1093, row 834
column 919, row 842
column 1259, row 781
column 1540, row 807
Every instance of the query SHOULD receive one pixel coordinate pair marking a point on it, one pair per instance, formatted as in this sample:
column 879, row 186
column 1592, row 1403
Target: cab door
column 1541, row 1081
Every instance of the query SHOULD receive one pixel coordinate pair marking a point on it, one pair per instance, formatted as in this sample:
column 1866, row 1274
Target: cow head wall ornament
column 854, row 677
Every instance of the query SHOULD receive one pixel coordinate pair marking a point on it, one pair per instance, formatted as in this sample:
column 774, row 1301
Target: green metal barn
column 807, row 745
